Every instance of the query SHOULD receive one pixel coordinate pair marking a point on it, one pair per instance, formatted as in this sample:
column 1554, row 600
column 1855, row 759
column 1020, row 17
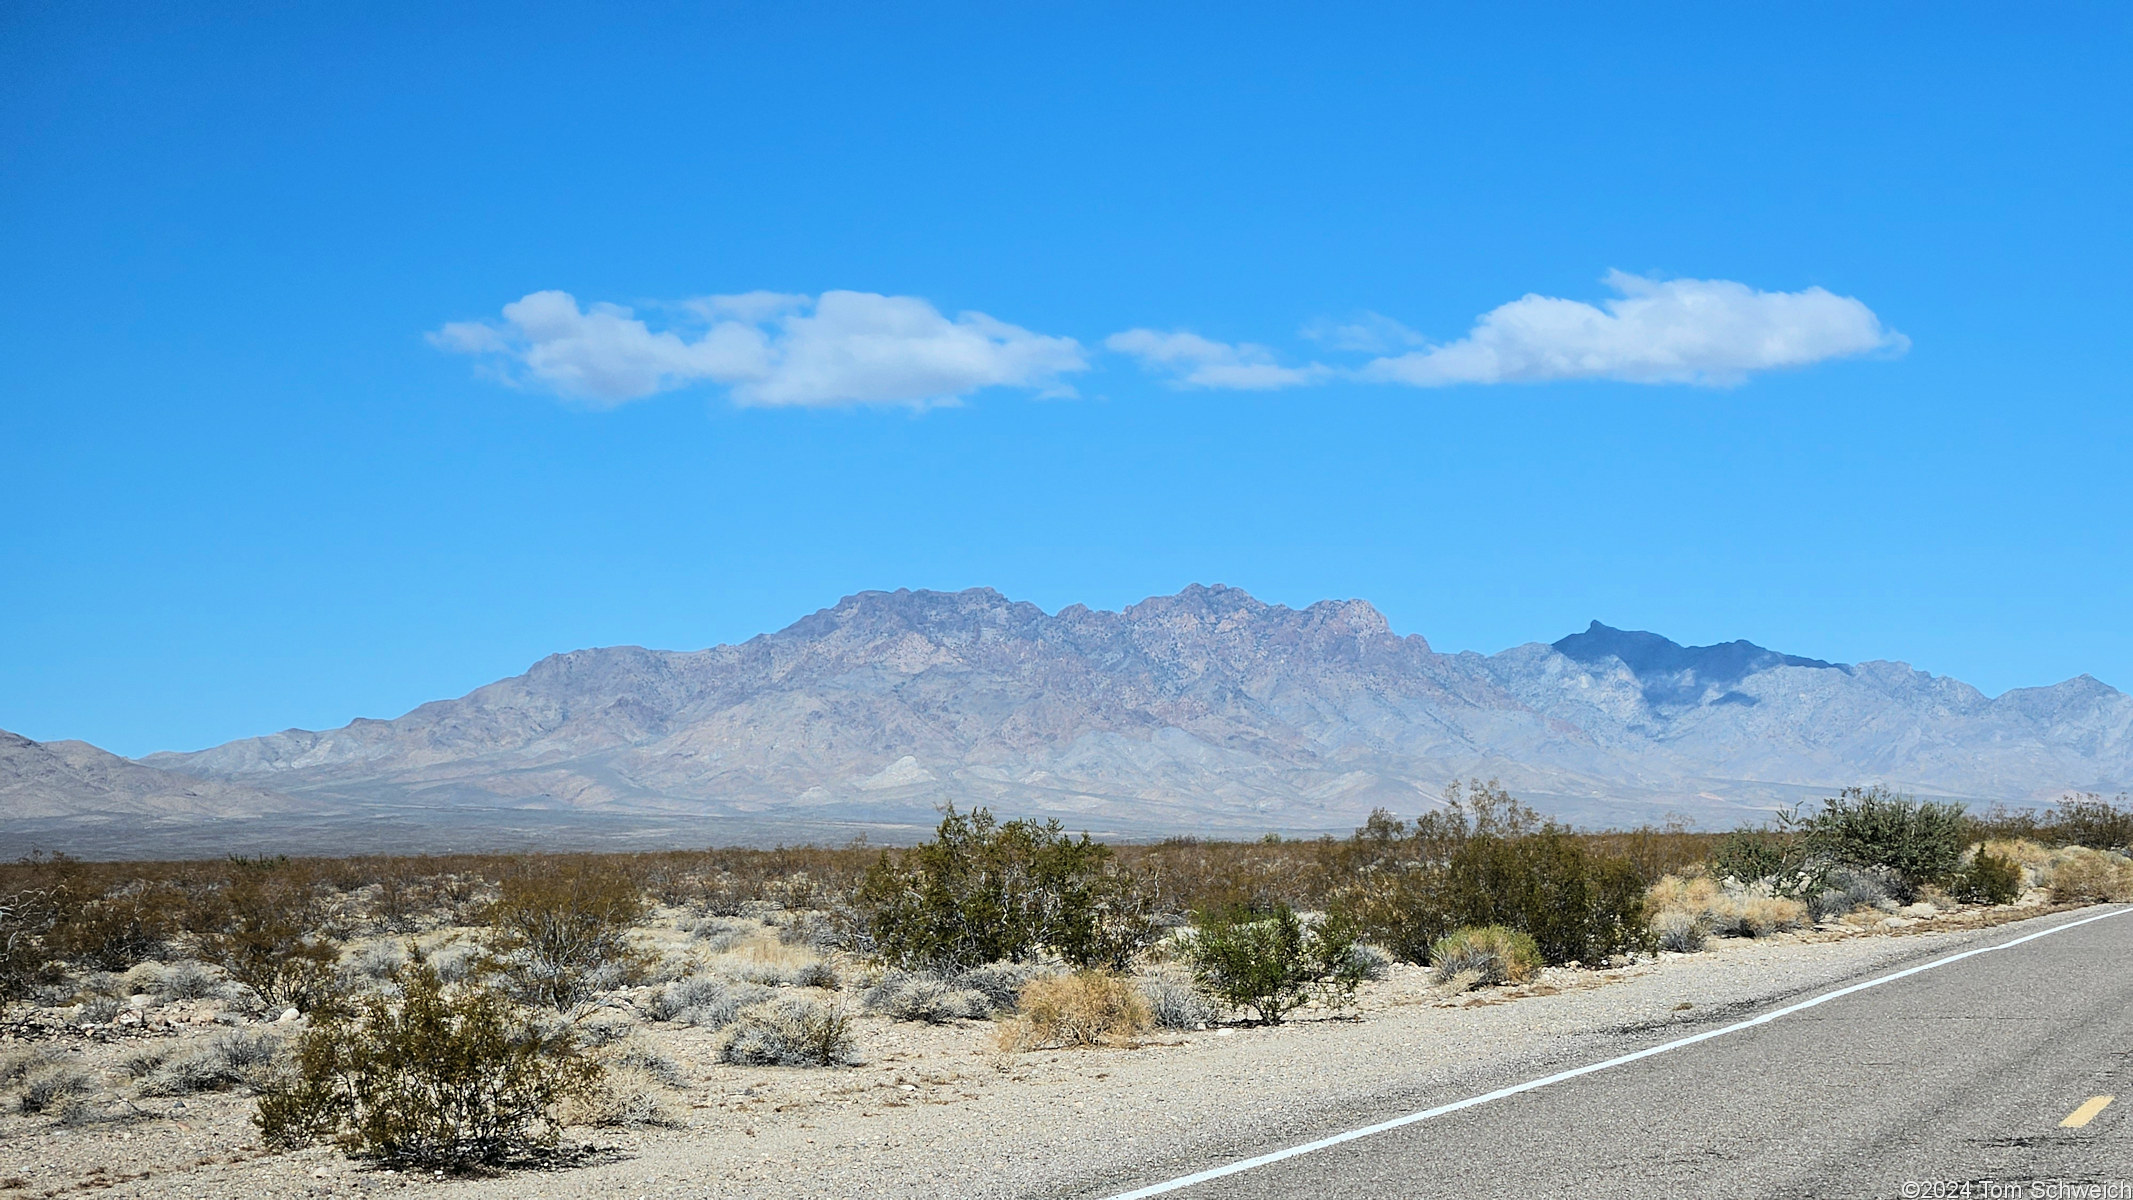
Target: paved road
column 1956, row 1076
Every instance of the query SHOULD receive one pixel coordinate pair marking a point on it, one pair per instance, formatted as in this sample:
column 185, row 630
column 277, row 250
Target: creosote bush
column 445, row 1078
column 1485, row 954
column 264, row 931
column 1485, row 859
column 557, row 927
column 1989, row 879
column 982, row 892
column 1913, row 842
column 1269, row 961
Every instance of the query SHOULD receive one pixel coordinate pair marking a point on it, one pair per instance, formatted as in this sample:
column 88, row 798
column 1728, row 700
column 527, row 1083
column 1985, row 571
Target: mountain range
column 1206, row 712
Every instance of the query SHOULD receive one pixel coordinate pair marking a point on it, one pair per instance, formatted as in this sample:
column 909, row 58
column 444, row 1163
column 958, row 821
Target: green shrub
column 555, row 927
column 1989, row 879
column 433, row 1079
column 1750, row 855
column 115, row 932
column 1269, row 961
column 263, row 931
column 25, row 963
column 1917, row 842
column 983, row 892
column 1491, row 953
column 1577, row 906
column 2090, row 820
column 1485, row 859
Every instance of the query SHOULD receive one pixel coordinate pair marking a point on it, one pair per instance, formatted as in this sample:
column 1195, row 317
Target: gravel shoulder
column 939, row 1110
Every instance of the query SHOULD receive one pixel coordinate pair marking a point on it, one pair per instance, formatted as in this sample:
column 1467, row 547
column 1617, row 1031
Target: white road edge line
column 1324, row 1143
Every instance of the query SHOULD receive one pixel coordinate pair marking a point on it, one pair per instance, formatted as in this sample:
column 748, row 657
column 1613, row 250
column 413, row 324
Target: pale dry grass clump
column 1484, row 954
column 1086, row 1008
column 759, row 957
column 1680, row 932
column 636, row 1089
column 2078, row 875
column 1677, row 904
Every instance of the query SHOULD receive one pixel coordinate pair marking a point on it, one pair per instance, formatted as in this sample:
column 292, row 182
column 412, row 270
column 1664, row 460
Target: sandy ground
column 940, row 1111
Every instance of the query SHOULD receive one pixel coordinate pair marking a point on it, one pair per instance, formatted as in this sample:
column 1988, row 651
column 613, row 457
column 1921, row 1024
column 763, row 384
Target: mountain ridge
column 1207, row 711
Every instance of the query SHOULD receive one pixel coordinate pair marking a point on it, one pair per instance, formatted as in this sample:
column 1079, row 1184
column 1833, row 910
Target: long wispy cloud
column 1697, row 331
column 852, row 348
column 767, row 348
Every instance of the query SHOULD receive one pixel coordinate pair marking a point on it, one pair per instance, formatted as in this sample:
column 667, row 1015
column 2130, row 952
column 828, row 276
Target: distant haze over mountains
column 1204, row 712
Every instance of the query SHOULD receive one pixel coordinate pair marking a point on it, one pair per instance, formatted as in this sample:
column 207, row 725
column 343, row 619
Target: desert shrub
column 1989, row 879
column 371, row 964
column 1371, row 964
column 1174, row 1002
column 635, row 1081
column 1750, row 855
column 635, row 1054
column 227, row 1060
column 626, row 1098
column 681, row 995
column 721, row 931
column 706, row 1003
column 116, row 931
column 1915, row 842
column 1726, row 910
column 2079, row 875
column 2092, row 821
column 1576, row 907
column 1761, row 916
column 812, row 930
column 922, row 996
column 561, row 931
column 16, row 1065
column 1085, row 1008
column 262, row 932
column 790, row 1032
column 1269, row 961
column 434, row 1078
column 816, row 975
column 98, row 1009
column 49, row 1085
column 1489, row 954
column 1485, row 859
column 1001, row 983
column 455, row 961
column 1680, row 932
column 25, row 963
column 982, row 892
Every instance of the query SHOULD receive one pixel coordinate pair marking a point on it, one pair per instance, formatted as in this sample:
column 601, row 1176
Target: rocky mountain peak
column 1673, row 674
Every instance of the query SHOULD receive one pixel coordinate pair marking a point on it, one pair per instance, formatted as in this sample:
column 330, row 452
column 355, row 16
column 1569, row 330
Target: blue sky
column 276, row 456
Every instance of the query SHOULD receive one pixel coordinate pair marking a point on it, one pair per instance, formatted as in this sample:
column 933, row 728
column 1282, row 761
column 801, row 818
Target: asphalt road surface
column 1960, row 1080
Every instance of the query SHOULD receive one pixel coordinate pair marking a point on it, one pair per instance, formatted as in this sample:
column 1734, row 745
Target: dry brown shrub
column 2077, row 875
column 1086, row 1008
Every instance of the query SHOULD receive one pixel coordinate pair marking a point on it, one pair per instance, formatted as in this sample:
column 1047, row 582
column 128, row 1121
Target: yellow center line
column 2086, row 1113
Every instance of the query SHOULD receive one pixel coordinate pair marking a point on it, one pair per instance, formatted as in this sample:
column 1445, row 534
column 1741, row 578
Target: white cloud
column 769, row 348
column 1707, row 331
column 1369, row 332
column 1702, row 331
column 1195, row 361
